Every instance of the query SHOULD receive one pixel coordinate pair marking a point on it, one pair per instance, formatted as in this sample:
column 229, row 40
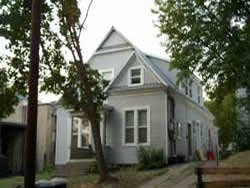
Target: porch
column 11, row 148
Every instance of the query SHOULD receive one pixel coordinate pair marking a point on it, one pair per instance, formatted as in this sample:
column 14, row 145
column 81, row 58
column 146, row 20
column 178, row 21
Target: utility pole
column 31, row 131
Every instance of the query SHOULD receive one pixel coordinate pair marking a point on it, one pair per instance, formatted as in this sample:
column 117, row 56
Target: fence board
column 225, row 171
column 232, row 183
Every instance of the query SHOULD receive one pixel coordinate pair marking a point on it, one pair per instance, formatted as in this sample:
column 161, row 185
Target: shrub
column 150, row 158
column 93, row 169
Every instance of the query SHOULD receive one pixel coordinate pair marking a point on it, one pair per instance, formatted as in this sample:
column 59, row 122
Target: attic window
column 108, row 74
column 136, row 76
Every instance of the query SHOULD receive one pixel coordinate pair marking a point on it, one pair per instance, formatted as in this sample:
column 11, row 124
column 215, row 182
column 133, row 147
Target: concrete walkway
column 178, row 176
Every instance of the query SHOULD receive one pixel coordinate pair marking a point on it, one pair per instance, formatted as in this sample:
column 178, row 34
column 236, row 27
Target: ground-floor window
column 136, row 126
column 80, row 132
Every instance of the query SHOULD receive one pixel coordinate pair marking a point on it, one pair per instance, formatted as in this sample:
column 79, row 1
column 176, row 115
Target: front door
column 80, row 139
column 189, row 140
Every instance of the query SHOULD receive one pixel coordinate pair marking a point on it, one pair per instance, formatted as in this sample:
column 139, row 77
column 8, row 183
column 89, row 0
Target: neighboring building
column 243, row 115
column 143, row 106
column 46, row 131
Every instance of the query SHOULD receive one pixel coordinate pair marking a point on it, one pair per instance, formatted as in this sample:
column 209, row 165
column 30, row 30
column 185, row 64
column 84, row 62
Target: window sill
column 134, row 85
column 136, row 145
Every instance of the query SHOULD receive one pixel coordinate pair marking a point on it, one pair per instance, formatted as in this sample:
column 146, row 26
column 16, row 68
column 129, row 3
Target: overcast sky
column 133, row 18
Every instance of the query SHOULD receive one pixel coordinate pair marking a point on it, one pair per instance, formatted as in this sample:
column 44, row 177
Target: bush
column 150, row 158
column 93, row 169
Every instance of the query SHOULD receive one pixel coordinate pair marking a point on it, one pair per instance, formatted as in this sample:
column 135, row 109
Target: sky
column 133, row 18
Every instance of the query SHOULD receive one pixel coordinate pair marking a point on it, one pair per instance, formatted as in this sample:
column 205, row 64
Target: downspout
column 166, row 126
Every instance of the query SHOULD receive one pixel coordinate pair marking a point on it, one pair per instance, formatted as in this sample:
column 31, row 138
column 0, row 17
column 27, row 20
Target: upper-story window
column 136, row 76
column 108, row 74
column 187, row 87
column 199, row 94
column 190, row 89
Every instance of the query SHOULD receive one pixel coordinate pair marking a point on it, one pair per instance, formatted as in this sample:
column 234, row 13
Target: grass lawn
column 128, row 178
column 241, row 159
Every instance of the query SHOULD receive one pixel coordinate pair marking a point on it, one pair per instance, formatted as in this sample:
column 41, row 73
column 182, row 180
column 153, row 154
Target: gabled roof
column 145, row 59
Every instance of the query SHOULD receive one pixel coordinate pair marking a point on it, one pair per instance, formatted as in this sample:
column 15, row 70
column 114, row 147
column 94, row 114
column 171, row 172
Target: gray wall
column 122, row 79
column 120, row 154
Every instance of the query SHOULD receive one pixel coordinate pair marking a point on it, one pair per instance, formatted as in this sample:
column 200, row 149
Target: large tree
column 225, row 118
column 211, row 37
column 62, row 24
column 31, row 131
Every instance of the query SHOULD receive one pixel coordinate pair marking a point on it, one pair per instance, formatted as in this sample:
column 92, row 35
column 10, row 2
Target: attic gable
column 113, row 40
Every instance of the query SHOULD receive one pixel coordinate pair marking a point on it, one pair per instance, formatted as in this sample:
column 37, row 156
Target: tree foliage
column 83, row 89
column 225, row 118
column 211, row 37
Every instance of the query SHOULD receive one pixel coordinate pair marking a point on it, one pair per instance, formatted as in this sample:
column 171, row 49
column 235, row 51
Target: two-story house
column 144, row 100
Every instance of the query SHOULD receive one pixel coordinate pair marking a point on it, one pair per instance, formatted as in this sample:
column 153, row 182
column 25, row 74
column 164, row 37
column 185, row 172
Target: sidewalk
column 178, row 176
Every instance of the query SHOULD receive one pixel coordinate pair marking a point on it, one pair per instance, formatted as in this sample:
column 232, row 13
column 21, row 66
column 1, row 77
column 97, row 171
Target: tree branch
column 85, row 18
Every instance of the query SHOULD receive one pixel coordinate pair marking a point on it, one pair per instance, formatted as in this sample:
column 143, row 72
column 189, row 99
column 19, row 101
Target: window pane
column 142, row 118
column 129, row 135
column 136, row 80
column 85, row 132
column 107, row 75
column 135, row 72
column 75, row 127
column 129, row 118
column 142, row 135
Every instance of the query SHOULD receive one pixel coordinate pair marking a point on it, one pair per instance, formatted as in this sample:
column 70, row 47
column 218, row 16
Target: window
column 179, row 130
column 136, row 126
column 190, row 89
column 135, row 76
column 108, row 74
column 80, row 132
column 187, row 87
column 129, row 127
column 199, row 94
column 142, row 126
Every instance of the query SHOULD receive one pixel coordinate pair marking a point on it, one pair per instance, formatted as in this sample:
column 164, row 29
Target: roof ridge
column 157, row 57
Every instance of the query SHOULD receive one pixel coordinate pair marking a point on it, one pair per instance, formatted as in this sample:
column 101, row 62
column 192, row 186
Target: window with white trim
column 136, row 76
column 136, row 126
column 107, row 74
column 199, row 94
column 130, row 127
column 179, row 130
column 80, row 132
column 142, row 126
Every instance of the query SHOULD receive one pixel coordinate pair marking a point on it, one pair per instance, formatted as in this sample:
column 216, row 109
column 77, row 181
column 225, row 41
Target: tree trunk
column 95, row 126
column 31, row 132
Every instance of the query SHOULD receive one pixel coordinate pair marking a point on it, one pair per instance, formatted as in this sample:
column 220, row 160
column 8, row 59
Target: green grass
column 128, row 178
column 241, row 159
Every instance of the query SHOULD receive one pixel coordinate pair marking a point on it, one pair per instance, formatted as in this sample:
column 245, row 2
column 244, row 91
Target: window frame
column 101, row 71
column 199, row 94
column 130, row 84
column 78, row 133
column 136, row 126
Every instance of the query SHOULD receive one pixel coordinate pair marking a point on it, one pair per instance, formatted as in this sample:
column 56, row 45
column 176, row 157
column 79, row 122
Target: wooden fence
column 222, row 183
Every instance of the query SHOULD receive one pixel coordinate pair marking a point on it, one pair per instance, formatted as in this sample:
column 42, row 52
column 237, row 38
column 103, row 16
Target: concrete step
column 74, row 168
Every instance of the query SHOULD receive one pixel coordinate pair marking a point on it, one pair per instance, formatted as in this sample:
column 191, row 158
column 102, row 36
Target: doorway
column 189, row 140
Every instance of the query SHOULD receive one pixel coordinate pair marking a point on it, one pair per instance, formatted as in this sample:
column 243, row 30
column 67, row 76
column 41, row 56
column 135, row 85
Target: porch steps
column 74, row 168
